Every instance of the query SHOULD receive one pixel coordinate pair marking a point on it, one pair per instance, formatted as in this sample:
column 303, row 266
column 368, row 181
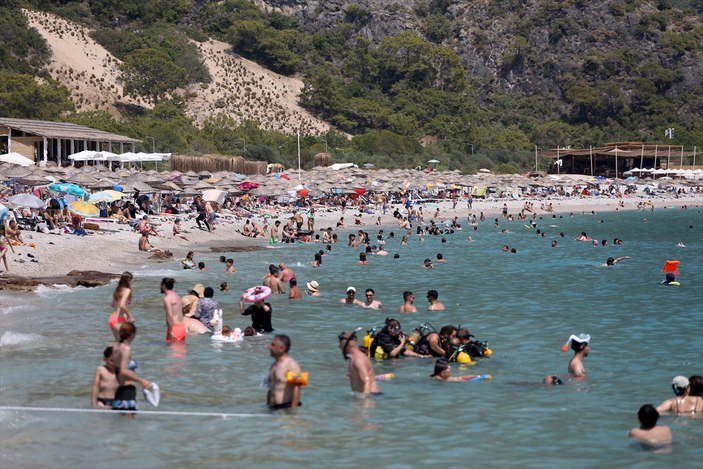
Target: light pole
column 536, row 170
column 153, row 144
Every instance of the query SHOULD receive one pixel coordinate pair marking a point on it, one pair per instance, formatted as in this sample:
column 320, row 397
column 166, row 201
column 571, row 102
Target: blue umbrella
column 68, row 188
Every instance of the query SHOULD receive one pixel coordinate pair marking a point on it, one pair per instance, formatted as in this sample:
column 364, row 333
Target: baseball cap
column 351, row 289
column 680, row 382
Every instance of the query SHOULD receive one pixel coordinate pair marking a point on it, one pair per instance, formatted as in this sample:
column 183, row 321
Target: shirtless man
column 407, row 306
column 274, row 232
column 580, row 346
column 282, row 394
column 371, row 302
column 175, row 324
column 104, row 382
column 648, row 432
column 435, row 305
column 144, row 227
column 272, row 280
column 126, row 392
column 350, row 299
column 295, row 293
column 286, row 272
column 362, row 378
column 298, row 218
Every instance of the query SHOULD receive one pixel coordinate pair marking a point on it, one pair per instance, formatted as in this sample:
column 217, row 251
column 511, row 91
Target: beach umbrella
column 67, row 188
column 83, row 208
column 106, row 196
column 17, row 159
column 214, row 195
column 26, row 201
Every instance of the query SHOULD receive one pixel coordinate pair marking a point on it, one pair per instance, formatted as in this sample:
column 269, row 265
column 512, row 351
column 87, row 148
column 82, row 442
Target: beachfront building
column 614, row 159
column 44, row 141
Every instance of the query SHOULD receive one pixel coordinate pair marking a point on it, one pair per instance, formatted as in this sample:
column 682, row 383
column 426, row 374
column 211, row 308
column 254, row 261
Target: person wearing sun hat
column 190, row 301
column 580, row 346
column 313, row 288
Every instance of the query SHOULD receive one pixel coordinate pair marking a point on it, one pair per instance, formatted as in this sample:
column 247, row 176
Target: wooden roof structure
column 63, row 130
column 620, row 150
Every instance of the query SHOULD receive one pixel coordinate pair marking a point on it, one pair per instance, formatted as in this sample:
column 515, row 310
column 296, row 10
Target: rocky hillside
column 582, row 58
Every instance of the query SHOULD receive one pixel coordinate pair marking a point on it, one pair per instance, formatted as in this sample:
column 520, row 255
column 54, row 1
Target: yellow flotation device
column 299, row 378
column 487, row 352
column 465, row 358
column 674, row 284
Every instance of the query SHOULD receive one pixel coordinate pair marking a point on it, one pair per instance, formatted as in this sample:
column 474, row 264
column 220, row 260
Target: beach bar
column 616, row 158
column 44, row 141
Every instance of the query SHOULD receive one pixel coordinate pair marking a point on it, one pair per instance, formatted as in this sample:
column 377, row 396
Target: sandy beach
column 113, row 248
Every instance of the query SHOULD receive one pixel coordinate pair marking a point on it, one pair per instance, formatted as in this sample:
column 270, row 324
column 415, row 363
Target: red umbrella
column 303, row 192
column 360, row 190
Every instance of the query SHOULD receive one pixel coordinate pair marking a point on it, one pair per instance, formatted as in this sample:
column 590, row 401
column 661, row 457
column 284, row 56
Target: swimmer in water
column 408, row 300
column 552, row 380
column 580, row 344
column 670, row 280
column 435, row 304
column 611, row 261
column 443, row 371
column 648, row 432
column 362, row 377
column 688, row 399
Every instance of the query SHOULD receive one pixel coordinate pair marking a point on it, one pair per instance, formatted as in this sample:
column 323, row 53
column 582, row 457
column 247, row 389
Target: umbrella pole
column 590, row 155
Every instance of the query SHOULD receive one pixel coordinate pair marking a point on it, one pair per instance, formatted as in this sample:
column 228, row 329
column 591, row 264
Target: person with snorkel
column 580, row 346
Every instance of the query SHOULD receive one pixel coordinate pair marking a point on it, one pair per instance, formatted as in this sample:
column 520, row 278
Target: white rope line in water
column 147, row 412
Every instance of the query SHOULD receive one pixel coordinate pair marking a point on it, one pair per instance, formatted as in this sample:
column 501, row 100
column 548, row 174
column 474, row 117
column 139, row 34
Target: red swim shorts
column 178, row 332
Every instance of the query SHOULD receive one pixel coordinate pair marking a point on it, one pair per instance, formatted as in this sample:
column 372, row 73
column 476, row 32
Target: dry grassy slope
column 240, row 88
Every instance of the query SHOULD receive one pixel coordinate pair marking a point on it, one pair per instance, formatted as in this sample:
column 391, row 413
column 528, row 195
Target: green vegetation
column 567, row 72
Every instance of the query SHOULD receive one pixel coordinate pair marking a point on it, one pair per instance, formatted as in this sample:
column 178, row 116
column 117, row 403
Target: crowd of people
column 196, row 313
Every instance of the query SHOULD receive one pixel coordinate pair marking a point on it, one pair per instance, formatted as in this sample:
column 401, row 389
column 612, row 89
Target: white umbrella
column 16, row 158
column 26, row 201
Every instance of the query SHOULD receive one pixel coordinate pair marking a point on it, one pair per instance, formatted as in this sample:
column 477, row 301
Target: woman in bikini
column 121, row 299
column 689, row 397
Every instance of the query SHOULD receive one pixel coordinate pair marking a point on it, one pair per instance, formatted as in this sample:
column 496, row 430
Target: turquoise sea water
column 525, row 304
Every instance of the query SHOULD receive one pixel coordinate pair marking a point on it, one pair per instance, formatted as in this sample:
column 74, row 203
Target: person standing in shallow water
column 580, row 344
column 121, row 299
column 282, row 394
column 362, row 377
column 126, row 393
column 175, row 323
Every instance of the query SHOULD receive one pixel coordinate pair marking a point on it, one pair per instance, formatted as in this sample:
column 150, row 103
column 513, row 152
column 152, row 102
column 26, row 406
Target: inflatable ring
column 258, row 293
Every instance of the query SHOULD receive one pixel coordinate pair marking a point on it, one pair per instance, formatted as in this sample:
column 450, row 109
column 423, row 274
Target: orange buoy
column 671, row 266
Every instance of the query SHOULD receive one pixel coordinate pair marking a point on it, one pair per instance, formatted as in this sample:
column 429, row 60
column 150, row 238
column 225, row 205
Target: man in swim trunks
column 282, row 394
column 362, row 377
column 435, row 305
column 175, row 324
column 126, row 393
column 104, row 382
